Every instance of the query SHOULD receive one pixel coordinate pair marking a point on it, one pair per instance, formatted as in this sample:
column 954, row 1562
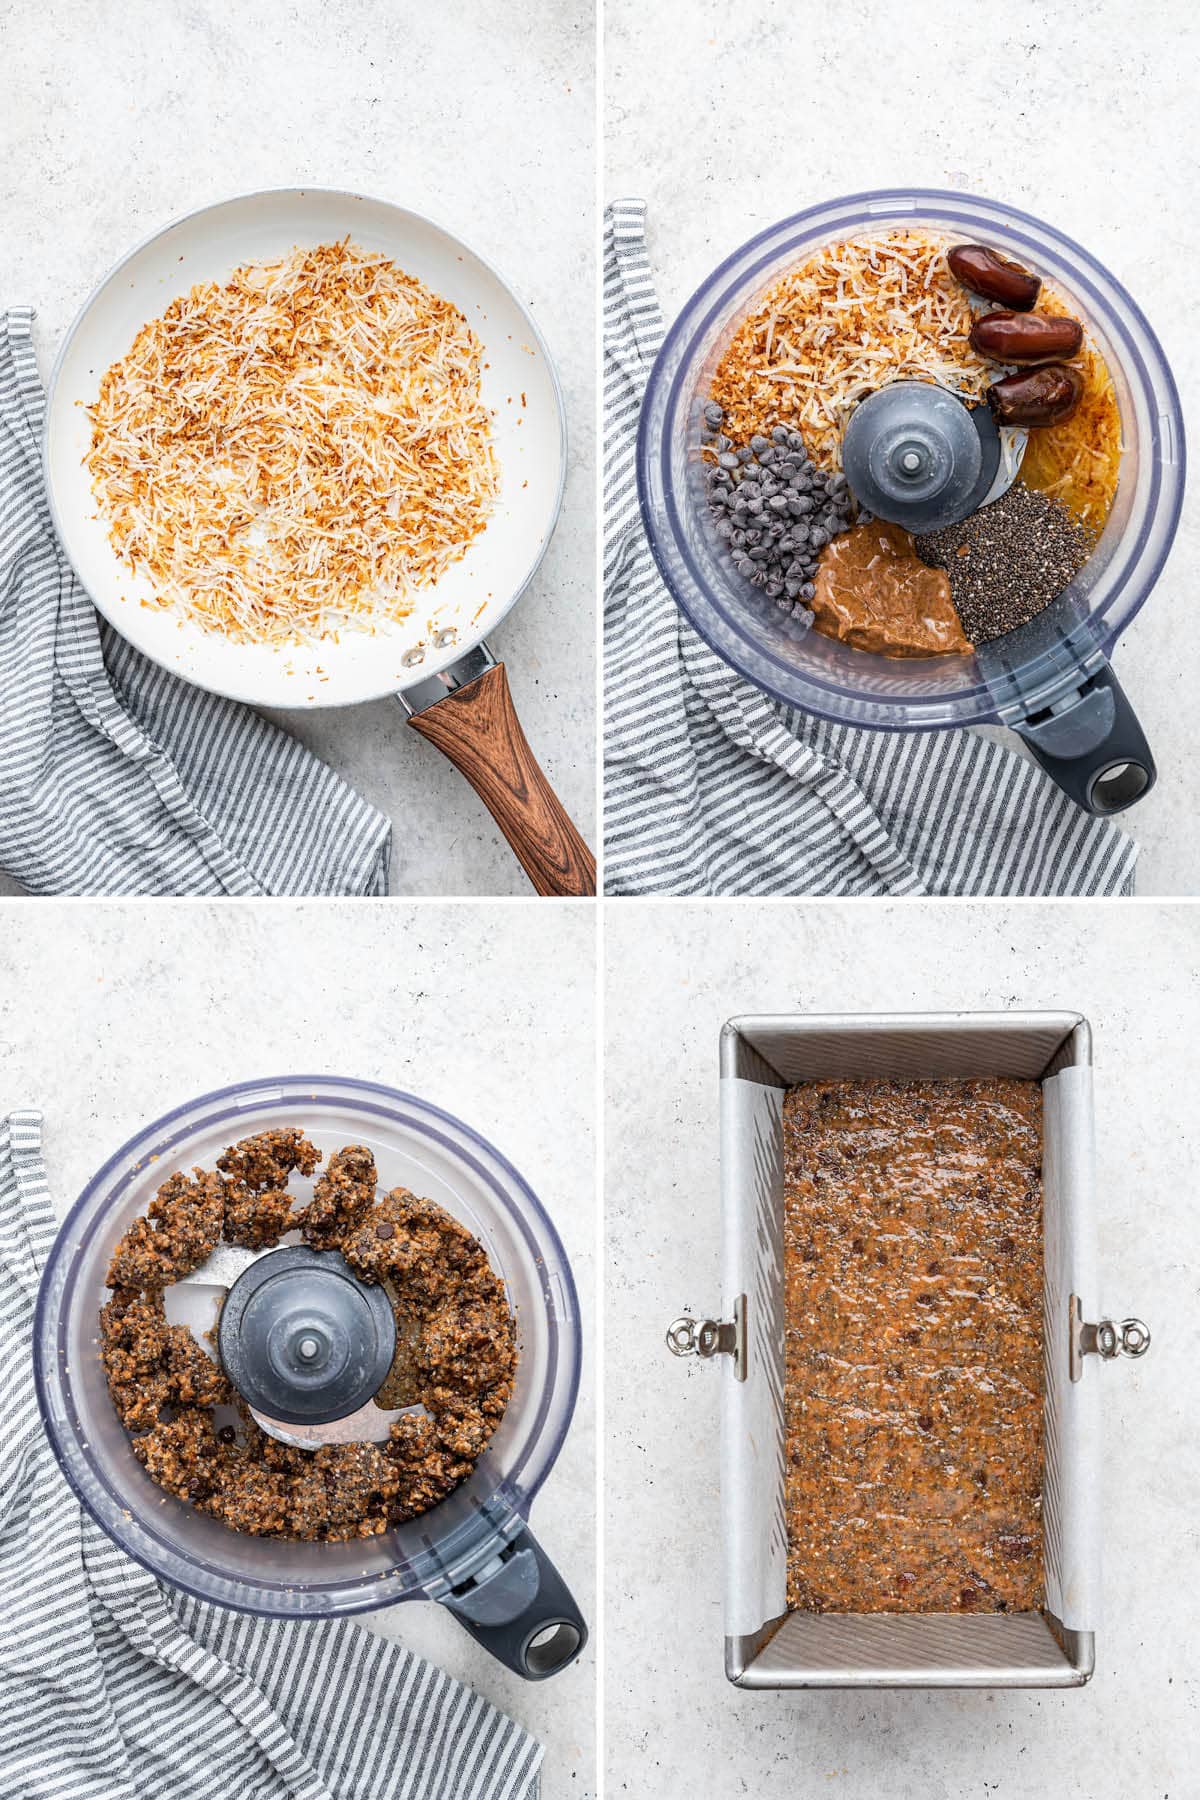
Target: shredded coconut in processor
column 298, row 451
column 837, row 327
column 854, row 317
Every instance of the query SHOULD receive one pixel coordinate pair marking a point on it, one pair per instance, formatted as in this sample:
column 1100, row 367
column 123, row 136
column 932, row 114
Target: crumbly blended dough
column 913, row 1306
column 341, row 1197
column 440, row 1274
column 151, row 1365
column 258, row 1204
column 456, row 1354
column 181, row 1230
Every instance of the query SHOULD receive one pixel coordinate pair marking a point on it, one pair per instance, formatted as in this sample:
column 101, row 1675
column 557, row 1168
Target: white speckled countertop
column 726, row 119
column 116, row 119
column 675, row 974
column 111, row 1014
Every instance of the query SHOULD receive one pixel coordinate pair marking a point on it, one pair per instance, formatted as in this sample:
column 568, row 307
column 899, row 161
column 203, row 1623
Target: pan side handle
column 477, row 728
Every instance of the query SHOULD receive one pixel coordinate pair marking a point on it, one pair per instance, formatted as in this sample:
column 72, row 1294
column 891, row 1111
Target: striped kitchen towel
column 712, row 788
column 114, row 1688
column 116, row 777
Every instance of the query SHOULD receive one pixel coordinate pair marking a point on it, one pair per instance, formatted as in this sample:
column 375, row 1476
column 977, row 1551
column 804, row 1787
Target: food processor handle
column 521, row 1610
column 1093, row 746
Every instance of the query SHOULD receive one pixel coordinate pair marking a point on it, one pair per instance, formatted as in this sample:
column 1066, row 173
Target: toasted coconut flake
column 299, row 450
column 855, row 314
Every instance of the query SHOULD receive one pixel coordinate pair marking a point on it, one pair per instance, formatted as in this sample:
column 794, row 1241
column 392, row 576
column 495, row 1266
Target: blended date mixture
column 913, row 1303
column 457, row 1352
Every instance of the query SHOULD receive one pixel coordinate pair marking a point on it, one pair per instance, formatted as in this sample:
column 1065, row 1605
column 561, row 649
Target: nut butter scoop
column 875, row 593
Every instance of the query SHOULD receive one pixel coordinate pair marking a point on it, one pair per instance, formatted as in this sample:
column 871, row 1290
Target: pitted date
column 993, row 276
column 1025, row 337
column 1047, row 395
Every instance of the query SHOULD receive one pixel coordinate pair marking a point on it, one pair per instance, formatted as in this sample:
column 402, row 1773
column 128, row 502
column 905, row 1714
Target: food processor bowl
column 473, row 1552
column 1050, row 679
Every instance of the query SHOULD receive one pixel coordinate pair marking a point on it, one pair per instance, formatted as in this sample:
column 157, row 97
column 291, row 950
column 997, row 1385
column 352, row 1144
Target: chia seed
column 1008, row 561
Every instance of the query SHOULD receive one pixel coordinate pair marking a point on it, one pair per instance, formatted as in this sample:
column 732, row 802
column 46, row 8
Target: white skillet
column 436, row 662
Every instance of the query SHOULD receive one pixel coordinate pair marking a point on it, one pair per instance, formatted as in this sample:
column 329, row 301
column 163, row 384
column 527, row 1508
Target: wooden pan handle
column 477, row 728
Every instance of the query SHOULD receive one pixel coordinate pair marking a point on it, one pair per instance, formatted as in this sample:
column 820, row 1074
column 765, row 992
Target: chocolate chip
column 384, row 1232
column 227, row 1434
column 925, row 1421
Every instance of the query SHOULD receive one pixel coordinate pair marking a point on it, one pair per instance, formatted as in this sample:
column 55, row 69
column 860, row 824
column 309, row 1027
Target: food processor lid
column 302, row 1339
column 915, row 455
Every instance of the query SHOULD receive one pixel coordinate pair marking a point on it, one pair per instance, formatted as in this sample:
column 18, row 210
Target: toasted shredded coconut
column 299, row 450
column 834, row 328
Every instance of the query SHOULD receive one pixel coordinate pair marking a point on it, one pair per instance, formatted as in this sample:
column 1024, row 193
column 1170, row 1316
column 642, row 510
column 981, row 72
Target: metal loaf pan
column 765, row 1646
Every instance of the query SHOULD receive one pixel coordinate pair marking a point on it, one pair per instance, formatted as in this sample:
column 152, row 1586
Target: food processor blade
column 223, row 1267
column 369, row 1425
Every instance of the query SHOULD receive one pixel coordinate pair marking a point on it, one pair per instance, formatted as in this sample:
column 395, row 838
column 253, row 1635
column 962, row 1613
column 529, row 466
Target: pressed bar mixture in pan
column 913, row 1302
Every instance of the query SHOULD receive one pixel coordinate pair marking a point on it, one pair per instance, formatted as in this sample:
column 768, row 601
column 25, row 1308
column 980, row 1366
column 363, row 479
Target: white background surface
column 112, row 1014
column 117, row 118
column 675, row 974
column 727, row 119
